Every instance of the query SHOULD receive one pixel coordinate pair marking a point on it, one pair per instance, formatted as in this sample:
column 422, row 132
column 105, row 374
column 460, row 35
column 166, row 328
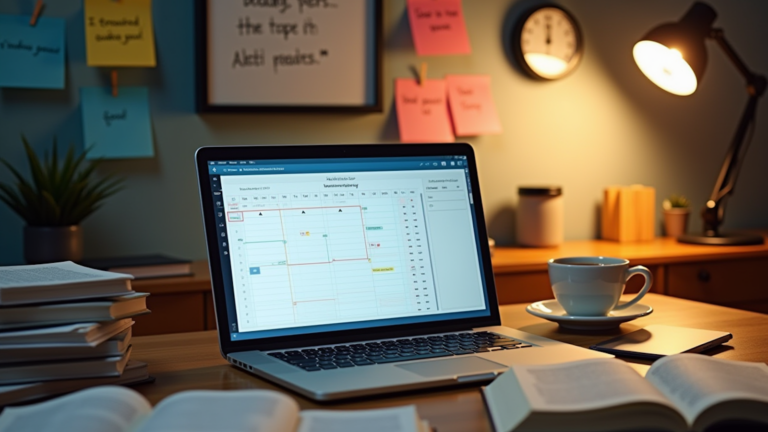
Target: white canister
column 540, row 217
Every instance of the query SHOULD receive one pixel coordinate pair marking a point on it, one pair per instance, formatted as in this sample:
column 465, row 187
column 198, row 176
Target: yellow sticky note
column 119, row 33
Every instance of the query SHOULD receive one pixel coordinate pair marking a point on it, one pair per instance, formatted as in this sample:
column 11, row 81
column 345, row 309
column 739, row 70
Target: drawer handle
column 704, row 276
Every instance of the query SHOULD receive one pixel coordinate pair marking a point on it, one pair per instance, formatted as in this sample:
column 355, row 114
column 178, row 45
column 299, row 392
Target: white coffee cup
column 592, row 286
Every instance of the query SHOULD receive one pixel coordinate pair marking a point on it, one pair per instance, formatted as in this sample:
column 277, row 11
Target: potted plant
column 60, row 194
column 675, row 215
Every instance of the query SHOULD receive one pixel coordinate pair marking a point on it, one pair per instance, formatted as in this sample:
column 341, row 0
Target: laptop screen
column 318, row 245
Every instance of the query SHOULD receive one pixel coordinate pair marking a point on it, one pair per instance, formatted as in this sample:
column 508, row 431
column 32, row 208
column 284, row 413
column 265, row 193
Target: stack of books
column 64, row 327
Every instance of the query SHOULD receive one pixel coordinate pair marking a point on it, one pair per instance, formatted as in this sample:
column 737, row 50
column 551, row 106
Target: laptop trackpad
column 452, row 367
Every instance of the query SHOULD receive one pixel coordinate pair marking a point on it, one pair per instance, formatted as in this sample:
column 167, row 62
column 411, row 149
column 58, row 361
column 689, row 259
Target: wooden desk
column 192, row 360
column 727, row 275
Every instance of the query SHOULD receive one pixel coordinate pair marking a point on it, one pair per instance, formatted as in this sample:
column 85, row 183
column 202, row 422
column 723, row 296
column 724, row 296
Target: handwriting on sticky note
column 472, row 107
column 119, row 33
column 438, row 27
column 32, row 57
column 116, row 127
column 422, row 111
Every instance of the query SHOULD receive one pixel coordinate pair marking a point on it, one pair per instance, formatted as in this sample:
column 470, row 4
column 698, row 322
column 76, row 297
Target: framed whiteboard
column 289, row 55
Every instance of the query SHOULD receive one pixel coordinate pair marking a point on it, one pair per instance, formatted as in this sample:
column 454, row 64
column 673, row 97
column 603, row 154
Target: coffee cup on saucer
column 592, row 286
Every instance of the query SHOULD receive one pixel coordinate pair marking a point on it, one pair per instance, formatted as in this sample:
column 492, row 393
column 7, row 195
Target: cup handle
column 648, row 282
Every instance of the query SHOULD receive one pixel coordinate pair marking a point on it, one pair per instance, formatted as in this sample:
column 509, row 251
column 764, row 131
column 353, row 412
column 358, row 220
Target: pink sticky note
column 422, row 111
column 438, row 27
column 472, row 107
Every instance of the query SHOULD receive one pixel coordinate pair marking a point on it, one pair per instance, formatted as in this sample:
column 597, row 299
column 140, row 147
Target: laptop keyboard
column 396, row 350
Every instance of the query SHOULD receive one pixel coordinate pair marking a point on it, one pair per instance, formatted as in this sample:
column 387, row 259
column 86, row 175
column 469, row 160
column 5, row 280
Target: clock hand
column 549, row 36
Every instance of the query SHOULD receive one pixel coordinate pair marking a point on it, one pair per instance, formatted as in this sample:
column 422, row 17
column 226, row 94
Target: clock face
column 548, row 42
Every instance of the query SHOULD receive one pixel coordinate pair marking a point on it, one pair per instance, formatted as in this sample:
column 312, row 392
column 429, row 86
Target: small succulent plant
column 676, row 202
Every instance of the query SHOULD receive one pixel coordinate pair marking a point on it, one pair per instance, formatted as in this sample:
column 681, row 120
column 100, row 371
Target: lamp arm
column 752, row 79
column 713, row 212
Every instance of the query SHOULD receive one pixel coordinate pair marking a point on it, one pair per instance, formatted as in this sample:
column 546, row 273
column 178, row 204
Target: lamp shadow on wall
column 399, row 37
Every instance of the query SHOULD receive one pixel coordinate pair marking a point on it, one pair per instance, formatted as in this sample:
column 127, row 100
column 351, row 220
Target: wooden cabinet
column 727, row 275
column 178, row 304
column 741, row 283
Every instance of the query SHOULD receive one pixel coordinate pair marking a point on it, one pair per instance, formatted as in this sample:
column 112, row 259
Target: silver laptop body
column 351, row 270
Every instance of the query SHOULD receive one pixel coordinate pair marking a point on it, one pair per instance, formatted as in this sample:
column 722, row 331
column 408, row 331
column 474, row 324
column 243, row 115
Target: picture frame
column 289, row 56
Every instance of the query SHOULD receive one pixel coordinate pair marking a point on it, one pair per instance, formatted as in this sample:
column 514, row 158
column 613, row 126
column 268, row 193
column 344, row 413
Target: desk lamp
column 673, row 57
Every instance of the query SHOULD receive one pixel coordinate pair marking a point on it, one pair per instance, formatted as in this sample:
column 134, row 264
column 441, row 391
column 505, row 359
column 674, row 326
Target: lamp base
column 728, row 239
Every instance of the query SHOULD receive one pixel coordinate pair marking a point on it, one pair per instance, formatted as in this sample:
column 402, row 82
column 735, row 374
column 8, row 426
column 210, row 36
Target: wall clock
column 547, row 42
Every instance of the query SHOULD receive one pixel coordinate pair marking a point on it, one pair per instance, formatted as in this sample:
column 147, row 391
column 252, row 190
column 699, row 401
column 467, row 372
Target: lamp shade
column 673, row 55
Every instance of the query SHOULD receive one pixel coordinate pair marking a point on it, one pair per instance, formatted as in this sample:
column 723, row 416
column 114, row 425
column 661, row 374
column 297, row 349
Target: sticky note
column 438, row 27
column 119, row 33
column 472, row 108
column 116, row 127
column 422, row 111
column 32, row 57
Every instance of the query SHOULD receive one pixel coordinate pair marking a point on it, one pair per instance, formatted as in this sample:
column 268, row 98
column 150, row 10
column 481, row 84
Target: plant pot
column 676, row 221
column 52, row 244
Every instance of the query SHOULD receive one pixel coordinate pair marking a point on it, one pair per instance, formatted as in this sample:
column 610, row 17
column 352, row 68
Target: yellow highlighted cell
column 383, row 269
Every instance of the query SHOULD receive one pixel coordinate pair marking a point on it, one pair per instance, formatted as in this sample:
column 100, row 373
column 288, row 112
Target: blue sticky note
column 116, row 127
column 32, row 57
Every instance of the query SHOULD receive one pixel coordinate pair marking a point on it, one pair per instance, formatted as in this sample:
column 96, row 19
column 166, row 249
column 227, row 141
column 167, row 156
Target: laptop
column 341, row 271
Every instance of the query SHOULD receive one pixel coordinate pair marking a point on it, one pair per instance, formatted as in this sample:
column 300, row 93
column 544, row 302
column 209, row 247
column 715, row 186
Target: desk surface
column 192, row 360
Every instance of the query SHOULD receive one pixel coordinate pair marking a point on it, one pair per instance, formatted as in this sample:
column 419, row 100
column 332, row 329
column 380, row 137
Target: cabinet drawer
column 172, row 313
column 523, row 287
column 723, row 282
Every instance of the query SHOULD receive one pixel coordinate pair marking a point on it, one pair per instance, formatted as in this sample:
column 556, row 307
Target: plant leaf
column 62, row 191
column 14, row 201
column 38, row 173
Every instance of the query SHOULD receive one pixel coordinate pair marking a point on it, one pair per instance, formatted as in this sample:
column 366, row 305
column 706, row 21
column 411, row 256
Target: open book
column 679, row 393
column 118, row 409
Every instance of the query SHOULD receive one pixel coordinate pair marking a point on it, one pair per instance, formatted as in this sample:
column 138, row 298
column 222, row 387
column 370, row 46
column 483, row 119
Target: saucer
column 552, row 311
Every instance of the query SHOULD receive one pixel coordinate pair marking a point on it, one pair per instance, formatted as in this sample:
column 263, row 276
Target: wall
column 605, row 124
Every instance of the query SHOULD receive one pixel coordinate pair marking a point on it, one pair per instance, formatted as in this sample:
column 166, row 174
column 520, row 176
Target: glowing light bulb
column 666, row 67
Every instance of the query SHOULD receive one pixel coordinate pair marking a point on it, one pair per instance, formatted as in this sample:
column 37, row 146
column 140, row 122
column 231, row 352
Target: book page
column 65, row 272
column 584, row 385
column 99, row 409
column 400, row 419
column 224, row 411
column 696, row 382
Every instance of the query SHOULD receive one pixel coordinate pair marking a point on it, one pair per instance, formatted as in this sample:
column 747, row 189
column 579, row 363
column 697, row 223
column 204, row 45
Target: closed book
column 94, row 310
column 17, row 373
column 45, row 283
column 135, row 372
column 143, row 266
column 71, row 334
column 627, row 215
column 114, row 346
column 609, row 221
